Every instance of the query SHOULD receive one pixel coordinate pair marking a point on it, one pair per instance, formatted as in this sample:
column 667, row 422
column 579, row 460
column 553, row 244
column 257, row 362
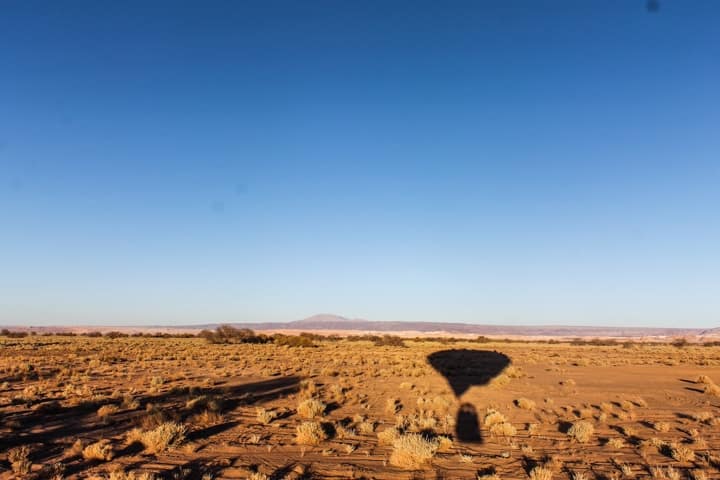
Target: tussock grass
column 166, row 435
column 310, row 433
column 413, row 451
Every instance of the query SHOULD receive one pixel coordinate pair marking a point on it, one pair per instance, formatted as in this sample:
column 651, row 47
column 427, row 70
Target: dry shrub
column 661, row 426
column 311, row 408
column 265, row 416
column 667, row 474
column 165, row 436
column 493, row 417
column 412, row 451
column 581, row 431
column 310, row 433
column 541, row 473
column 207, row 418
column 388, row 436
column 616, row 443
column 101, row 450
column 681, row 453
column 444, row 443
column 121, row 475
column 366, row 427
column 504, row 429
column 19, row 461
column 107, row 410
column 698, row 474
column 712, row 389
column 258, row 476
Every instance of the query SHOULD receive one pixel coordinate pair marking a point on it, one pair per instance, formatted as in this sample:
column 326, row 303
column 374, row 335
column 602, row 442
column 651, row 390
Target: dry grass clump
column 488, row 476
column 493, row 417
column 541, row 473
column 698, row 474
column 681, row 453
column 207, row 418
column 19, row 460
column 661, row 426
column 525, row 403
column 366, row 427
column 265, row 416
column 258, row 476
column 106, row 410
column 310, row 433
column 444, row 443
column 311, row 408
column 164, row 436
column 498, row 424
column 712, row 389
column 616, row 443
column 412, row 451
column 388, row 436
column 503, row 429
column 668, row 473
column 581, row 431
column 101, row 450
column 121, row 475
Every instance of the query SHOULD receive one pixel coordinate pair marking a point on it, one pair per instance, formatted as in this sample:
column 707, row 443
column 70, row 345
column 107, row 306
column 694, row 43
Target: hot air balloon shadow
column 464, row 368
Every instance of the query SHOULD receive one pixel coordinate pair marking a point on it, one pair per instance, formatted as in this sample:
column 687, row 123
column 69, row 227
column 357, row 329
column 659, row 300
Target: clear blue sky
column 169, row 162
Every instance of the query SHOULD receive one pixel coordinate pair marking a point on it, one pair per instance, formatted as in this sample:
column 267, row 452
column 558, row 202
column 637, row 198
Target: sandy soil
column 648, row 407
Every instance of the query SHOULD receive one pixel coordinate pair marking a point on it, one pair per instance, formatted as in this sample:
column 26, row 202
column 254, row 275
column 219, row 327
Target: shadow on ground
column 49, row 429
column 464, row 368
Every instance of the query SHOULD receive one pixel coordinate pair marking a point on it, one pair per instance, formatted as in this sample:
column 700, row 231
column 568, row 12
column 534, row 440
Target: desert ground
column 176, row 408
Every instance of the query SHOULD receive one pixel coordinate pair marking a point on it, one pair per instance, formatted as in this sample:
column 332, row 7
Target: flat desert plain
column 177, row 408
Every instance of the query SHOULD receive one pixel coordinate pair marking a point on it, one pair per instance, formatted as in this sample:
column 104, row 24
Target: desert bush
column 492, row 417
column 504, row 429
column 226, row 334
column 712, row 389
column 107, row 410
column 19, row 460
column 661, row 426
column 488, row 476
column 389, row 341
column 310, row 433
column 681, row 453
column 412, row 451
column 207, row 418
column 525, row 404
column 258, row 476
column 388, row 436
column 101, row 450
column 541, row 473
column 164, row 436
column 615, row 443
column 581, row 431
column 293, row 340
column 311, row 408
column 122, row 475
column 265, row 416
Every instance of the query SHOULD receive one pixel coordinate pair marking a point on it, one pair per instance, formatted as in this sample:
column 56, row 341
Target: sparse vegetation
column 353, row 400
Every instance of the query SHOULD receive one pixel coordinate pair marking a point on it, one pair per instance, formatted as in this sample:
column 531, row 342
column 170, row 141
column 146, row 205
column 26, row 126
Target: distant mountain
column 339, row 323
column 328, row 323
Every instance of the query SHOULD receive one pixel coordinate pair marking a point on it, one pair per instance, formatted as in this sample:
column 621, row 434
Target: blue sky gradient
column 487, row 162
